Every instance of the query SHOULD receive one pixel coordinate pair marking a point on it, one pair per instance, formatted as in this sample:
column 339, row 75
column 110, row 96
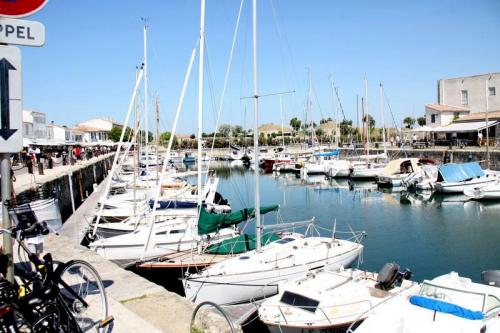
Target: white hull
column 449, row 187
column 234, row 288
column 490, row 192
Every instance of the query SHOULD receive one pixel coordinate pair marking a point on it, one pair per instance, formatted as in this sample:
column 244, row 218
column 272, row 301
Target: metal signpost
column 20, row 32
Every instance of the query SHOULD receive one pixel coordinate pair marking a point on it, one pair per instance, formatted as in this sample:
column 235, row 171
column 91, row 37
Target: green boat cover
column 212, row 222
column 239, row 244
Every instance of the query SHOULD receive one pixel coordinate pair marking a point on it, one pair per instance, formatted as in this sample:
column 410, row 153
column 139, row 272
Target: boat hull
column 243, row 288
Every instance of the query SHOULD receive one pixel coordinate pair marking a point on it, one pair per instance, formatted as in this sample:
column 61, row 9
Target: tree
column 295, row 123
column 165, row 137
column 320, row 132
column 421, row 121
column 192, row 136
column 238, row 130
column 370, row 120
column 224, row 130
column 116, row 132
column 409, row 122
column 345, row 127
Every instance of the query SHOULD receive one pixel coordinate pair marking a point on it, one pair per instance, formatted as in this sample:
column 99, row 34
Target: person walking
column 480, row 138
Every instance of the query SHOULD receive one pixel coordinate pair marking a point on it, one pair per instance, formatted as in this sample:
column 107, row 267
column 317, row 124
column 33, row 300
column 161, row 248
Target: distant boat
column 188, row 158
column 454, row 178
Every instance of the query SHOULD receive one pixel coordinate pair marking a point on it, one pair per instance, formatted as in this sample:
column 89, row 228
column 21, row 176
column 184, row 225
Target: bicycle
column 69, row 298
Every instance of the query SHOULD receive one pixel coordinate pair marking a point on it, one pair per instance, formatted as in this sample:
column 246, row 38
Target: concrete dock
column 137, row 304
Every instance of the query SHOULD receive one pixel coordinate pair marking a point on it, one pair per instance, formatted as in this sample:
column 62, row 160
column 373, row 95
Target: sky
column 86, row 68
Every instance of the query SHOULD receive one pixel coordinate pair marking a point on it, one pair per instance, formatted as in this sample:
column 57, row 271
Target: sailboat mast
column 367, row 122
column 157, row 135
column 256, row 131
column 146, row 140
column 200, row 96
column 282, row 125
column 382, row 115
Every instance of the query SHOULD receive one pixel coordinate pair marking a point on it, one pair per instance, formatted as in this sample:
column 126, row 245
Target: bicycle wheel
column 84, row 280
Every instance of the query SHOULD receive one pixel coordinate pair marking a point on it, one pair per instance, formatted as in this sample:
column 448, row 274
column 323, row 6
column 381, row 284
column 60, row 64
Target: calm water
column 430, row 236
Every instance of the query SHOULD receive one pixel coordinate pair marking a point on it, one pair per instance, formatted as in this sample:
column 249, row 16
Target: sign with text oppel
column 20, row 8
column 11, row 113
column 21, row 32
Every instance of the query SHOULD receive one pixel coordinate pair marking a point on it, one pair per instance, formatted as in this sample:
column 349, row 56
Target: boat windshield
column 303, row 302
column 467, row 299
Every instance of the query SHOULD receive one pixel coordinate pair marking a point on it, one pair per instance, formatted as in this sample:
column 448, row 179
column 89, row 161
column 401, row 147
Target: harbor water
column 430, row 235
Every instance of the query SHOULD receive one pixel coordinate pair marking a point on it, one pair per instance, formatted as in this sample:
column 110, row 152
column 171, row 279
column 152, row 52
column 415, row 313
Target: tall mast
column 256, row 130
column 200, row 97
column 367, row 122
column 282, row 125
column 357, row 115
column 146, row 139
column 157, row 135
column 382, row 114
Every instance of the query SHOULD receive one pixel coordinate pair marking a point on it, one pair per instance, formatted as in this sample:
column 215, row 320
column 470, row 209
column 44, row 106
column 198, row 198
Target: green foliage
column 116, row 132
column 224, row 130
column 345, row 127
column 370, row 120
column 165, row 137
column 295, row 124
column 409, row 122
column 421, row 121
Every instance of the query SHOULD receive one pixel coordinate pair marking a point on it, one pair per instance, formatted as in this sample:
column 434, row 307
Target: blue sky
column 86, row 68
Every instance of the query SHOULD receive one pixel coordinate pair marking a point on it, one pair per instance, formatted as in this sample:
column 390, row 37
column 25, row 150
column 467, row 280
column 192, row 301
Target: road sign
column 11, row 113
column 20, row 8
column 21, row 32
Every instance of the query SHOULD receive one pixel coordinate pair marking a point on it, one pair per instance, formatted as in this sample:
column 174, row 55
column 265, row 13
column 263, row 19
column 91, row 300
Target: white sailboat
column 256, row 273
column 370, row 170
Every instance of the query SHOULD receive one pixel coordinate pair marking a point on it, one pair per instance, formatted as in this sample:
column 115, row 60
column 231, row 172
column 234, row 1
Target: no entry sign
column 20, row 8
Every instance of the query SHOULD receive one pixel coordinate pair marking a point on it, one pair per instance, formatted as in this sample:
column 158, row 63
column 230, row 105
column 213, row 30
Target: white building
column 96, row 130
column 56, row 134
column 459, row 97
column 34, row 127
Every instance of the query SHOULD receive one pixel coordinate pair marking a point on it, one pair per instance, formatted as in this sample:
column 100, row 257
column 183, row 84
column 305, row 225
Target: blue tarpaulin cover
column 328, row 153
column 453, row 173
column 445, row 307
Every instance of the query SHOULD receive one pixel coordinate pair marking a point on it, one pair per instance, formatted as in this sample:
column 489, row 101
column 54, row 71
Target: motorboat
column 256, row 274
column 422, row 179
column 319, row 162
column 398, row 170
column 329, row 300
column 339, row 168
column 454, row 177
column 448, row 303
column 488, row 192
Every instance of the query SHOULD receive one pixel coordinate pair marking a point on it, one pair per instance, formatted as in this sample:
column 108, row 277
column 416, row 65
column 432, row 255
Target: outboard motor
column 389, row 275
column 491, row 278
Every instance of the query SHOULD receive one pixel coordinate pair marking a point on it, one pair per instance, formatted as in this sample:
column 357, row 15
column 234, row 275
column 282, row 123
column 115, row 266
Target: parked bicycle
column 48, row 297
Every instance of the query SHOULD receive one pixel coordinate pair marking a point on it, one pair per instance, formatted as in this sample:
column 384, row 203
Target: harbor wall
column 74, row 186
column 440, row 156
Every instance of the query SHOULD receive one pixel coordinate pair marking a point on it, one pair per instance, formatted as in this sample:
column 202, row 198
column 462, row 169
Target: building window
column 492, row 91
column 465, row 97
column 433, row 118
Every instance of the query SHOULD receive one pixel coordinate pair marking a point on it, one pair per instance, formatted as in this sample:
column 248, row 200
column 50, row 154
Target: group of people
column 35, row 154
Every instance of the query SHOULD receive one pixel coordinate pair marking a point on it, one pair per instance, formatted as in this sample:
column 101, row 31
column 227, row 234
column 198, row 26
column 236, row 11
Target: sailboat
column 256, row 274
column 161, row 235
column 372, row 169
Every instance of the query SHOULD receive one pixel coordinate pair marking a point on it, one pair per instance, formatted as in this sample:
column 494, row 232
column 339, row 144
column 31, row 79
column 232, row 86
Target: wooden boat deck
column 185, row 259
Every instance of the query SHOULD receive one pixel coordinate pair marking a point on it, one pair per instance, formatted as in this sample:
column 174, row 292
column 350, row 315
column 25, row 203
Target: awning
column 465, row 127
